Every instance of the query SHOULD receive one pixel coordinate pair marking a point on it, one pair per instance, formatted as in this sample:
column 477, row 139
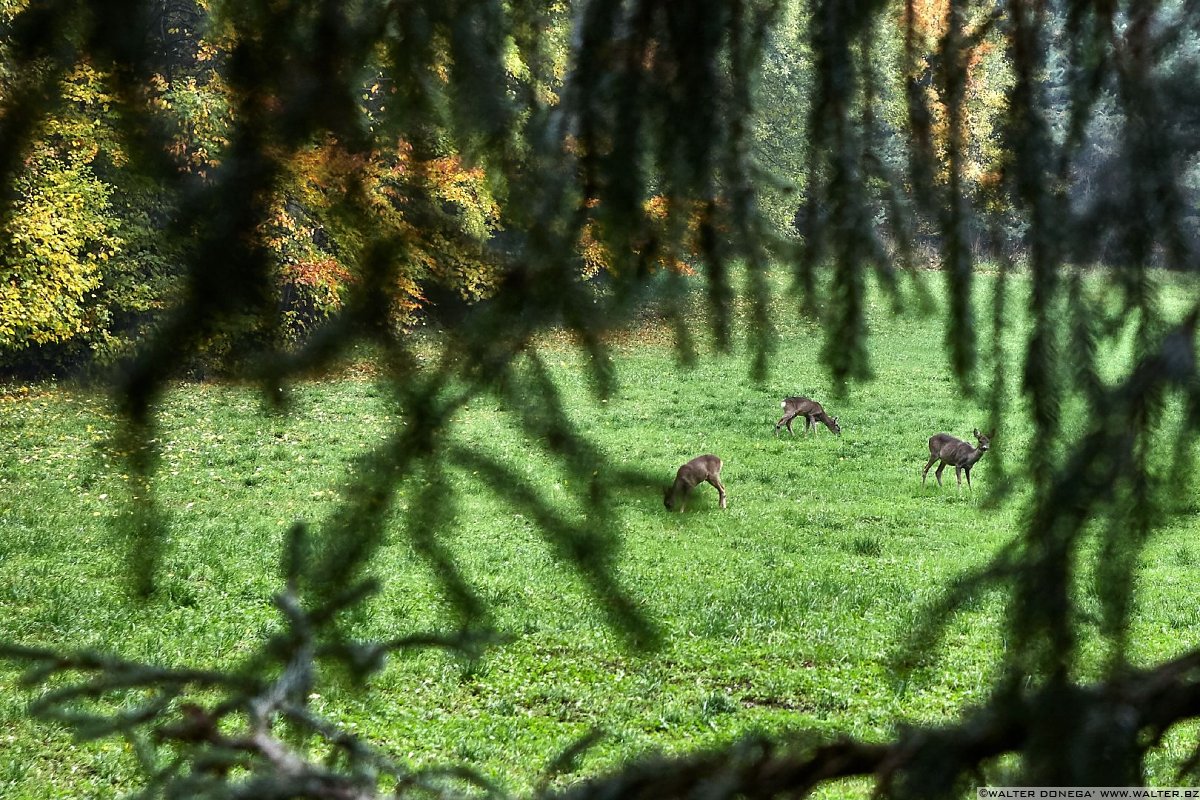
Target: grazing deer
column 811, row 411
column 956, row 453
column 698, row 470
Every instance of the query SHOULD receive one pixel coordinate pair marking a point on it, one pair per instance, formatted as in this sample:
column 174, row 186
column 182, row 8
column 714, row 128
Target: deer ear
column 977, row 433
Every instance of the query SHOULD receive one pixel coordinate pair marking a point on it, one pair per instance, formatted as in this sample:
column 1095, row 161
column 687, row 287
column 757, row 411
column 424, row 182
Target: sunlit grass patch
column 783, row 613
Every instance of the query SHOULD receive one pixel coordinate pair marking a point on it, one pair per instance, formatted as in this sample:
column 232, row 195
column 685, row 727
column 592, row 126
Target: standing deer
column 956, row 453
column 811, row 411
column 698, row 470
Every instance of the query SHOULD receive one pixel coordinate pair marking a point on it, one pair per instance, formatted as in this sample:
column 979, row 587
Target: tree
column 61, row 237
column 83, row 315
column 655, row 103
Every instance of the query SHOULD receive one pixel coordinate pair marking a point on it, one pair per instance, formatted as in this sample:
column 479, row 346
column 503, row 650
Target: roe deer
column 811, row 411
column 956, row 453
column 699, row 469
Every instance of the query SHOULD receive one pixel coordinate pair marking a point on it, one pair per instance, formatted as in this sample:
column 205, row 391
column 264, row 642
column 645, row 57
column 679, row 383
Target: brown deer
column 698, row 470
column 811, row 411
column 957, row 454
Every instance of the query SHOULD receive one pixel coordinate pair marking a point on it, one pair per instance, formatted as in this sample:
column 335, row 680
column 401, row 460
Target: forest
column 347, row 350
column 93, row 263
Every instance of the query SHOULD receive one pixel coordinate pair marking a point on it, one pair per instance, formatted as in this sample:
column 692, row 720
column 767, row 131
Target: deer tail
column 783, row 404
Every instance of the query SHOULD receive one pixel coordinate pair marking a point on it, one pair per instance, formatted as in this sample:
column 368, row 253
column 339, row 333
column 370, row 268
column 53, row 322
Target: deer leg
column 809, row 423
column 958, row 475
column 716, row 482
column 683, row 501
column 968, row 471
column 790, row 420
column 926, row 470
column 938, row 474
column 779, row 424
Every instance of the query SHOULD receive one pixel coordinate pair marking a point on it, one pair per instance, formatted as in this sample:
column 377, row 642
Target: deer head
column 985, row 441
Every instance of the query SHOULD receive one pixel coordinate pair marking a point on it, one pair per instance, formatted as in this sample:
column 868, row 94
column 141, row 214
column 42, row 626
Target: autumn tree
column 62, row 237
column 113, row 273
column 967, row 100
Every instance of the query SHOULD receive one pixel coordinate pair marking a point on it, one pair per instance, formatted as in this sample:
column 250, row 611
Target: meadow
column 783, row 614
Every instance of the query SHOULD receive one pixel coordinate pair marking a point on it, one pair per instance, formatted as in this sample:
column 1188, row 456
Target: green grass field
column 782, row 613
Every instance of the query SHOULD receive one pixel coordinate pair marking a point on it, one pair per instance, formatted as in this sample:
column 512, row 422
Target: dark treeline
column 275, row 165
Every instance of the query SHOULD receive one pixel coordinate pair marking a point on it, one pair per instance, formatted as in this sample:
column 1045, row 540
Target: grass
column 781, row 614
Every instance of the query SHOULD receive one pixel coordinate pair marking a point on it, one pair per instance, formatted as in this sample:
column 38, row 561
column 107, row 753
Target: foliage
column 973, row 112
column 781, row 99
column 656, row 102
column 61, row 237
column 57, row 246
column 436, row 201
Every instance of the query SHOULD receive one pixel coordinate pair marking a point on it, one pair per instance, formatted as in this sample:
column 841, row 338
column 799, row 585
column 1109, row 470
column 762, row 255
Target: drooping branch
column 921, row 762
